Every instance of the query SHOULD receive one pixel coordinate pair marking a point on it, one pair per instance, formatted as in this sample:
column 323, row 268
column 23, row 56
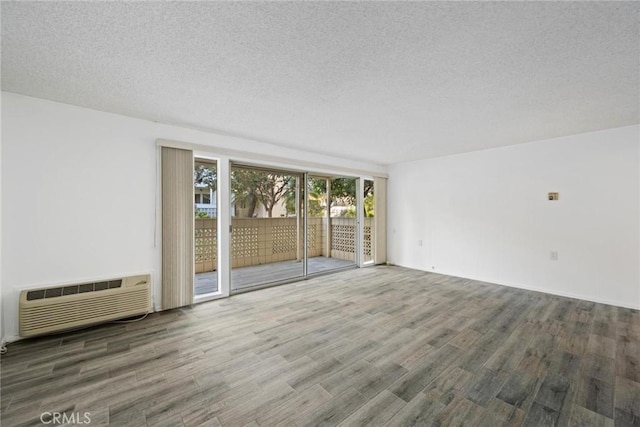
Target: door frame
column 224, row 229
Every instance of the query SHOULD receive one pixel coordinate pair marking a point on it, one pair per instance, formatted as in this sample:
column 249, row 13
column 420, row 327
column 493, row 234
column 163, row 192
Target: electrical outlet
column 553, row 255
column 419, row 242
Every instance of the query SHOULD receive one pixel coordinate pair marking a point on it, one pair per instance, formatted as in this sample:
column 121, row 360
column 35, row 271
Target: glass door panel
column 318, row 250
column 266, row 237
column 331, row 226
column 368, row 238
column 205, row 179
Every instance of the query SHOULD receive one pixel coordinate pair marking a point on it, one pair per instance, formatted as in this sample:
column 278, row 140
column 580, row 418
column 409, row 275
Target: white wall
column 65, row 231
column 485, row 215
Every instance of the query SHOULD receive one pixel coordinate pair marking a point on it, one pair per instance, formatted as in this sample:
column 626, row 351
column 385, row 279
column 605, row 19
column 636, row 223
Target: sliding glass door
column 284, row 225
column 229, row 227
column 266, row 227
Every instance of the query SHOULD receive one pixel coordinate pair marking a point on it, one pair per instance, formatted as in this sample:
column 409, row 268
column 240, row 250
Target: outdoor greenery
column 251, row 187
column 368, row 206
column 206, row 175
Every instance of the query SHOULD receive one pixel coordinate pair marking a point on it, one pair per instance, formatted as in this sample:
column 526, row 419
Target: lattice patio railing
column 264, row 240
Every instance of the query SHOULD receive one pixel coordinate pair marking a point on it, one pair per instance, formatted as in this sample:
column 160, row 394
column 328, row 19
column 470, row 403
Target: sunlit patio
column 267, row 250
column 246, row 277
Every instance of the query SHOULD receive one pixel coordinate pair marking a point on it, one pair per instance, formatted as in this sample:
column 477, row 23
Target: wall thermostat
column 554, row 196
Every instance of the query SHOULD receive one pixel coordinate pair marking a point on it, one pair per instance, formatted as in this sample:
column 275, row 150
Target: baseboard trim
column 571, row 295
column 536, row 289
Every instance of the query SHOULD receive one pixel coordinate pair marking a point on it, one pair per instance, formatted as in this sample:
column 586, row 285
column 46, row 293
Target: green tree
column 350, row 213
column 343, row 190
column 206, row 175
column 273, row 188
column 243, row 183
column 251, row 187
column 368, row 206
column 316, row 198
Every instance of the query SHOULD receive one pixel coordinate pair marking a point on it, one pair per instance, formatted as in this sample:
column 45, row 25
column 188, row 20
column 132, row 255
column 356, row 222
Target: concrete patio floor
column 246, row 277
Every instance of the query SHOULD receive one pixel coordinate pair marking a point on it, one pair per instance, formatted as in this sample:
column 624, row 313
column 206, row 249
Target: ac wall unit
column 59, row 308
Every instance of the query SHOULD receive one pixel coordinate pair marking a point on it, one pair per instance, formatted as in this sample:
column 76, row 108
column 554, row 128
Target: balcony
column 270, row 249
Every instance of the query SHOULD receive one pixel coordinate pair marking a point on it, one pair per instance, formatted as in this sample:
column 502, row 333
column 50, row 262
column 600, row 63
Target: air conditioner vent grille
column 73, row 289
column 48, row 310
column 53, row 292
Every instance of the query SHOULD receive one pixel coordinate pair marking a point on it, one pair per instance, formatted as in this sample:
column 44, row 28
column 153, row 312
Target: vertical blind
column 380, row 218
column 177, row 228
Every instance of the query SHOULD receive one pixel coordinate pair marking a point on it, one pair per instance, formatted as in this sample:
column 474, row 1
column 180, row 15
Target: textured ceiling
column 377, row 81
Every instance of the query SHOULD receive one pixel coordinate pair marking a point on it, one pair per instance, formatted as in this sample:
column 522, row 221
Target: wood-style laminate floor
column 374, row 346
